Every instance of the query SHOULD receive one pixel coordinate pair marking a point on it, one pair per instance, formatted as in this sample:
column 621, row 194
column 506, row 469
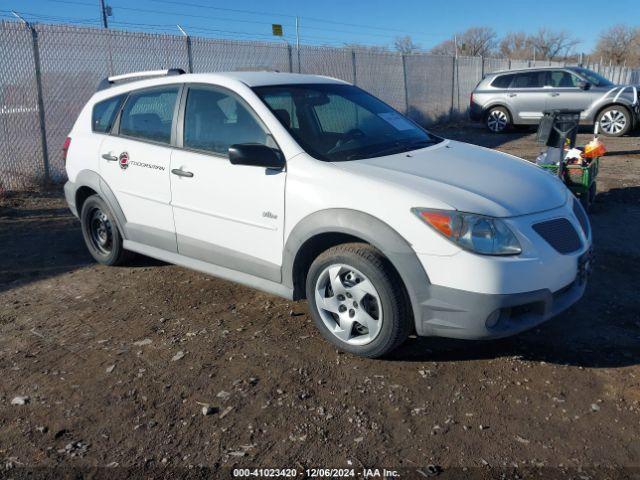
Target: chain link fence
column 48, row 72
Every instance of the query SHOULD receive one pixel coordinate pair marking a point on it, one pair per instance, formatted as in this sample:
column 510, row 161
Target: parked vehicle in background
column 519, row 97
column 308, row 187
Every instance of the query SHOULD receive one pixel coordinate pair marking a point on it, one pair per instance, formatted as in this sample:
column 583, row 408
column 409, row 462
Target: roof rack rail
column 107, row 82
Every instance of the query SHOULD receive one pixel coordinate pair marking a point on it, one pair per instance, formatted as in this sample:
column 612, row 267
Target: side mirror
column 256, row 155
column 584, row 85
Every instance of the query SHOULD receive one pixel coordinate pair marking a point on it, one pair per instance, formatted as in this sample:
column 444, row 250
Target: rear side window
column 104, row 113
column 148, row 114
column 530, row 80
column 562, row 79
column 503, row 81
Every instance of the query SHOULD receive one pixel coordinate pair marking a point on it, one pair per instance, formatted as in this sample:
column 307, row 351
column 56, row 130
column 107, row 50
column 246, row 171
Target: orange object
column 439, row 221
column 595, row 148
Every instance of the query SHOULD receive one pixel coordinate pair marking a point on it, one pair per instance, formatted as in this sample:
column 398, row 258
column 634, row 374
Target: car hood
column 468, row 178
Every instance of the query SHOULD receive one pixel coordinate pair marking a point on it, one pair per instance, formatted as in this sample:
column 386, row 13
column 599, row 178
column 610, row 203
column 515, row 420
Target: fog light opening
column 493, row 319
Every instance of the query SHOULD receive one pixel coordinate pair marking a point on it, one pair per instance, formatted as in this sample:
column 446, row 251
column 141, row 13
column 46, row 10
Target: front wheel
column 498, row 120
column 357, row 300
column 615, row 121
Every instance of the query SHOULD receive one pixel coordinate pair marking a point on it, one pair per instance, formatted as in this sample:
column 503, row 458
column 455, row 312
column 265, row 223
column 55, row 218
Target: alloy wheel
column 613, row 122
column 497, row 121
column 348, row 304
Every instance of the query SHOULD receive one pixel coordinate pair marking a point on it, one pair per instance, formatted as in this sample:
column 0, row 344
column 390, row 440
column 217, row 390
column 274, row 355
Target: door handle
column 554, row 94
column 181, row 173
column 512, row 95
column 109, row 158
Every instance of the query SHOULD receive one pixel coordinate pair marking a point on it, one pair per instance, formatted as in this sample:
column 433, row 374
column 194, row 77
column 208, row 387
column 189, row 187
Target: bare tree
column 619, row 44
column 551, row 44
column 405, row 45
column 516, row 45
column 473, row 42
column 446, row 47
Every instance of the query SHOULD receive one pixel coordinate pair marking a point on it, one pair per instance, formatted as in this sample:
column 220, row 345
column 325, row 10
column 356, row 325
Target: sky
column 333, row 22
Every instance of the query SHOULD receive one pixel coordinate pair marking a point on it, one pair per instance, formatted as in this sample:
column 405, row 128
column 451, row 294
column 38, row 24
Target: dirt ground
column 117, row 365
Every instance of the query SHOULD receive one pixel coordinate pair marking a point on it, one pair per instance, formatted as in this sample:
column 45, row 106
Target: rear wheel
column 100, row 232
column 357, row 300
column 498, row 120
column 615, row 121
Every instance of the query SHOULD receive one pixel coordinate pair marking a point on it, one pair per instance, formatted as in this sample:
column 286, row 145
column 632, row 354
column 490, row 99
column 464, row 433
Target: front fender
column 371, row 230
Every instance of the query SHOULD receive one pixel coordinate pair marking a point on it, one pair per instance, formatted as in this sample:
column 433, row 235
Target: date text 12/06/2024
column 315, row 473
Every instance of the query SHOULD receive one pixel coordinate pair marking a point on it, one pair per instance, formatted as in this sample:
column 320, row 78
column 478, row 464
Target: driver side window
column 214, row 120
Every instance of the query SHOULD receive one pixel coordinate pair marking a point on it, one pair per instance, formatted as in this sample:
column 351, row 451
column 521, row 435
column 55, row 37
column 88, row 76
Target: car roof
column 261, row 79
column 533, row 69
column 247, row 78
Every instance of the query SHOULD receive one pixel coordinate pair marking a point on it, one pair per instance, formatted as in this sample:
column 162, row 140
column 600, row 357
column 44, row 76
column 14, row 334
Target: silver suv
column 519, row 97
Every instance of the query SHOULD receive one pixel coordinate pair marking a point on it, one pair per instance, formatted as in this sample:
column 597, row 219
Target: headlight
column 476, row 233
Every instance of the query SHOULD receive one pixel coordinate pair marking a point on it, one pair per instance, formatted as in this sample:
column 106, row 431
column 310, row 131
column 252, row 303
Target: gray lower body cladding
column 448, row 312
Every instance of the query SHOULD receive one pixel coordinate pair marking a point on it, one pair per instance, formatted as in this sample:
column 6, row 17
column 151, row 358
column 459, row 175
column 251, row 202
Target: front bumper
column 480, row 297
column 469, row 315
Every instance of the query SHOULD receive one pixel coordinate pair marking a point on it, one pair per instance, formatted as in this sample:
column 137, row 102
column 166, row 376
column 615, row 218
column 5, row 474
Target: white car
column 308, row 187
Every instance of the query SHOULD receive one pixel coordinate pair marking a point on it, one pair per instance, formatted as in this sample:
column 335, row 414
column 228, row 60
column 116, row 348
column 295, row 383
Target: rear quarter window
column 104, row 113
column 502, row 81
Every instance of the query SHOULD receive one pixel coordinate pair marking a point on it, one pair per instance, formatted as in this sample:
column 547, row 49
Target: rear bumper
column 468, row 315
column 476, row 112
column 70, row 196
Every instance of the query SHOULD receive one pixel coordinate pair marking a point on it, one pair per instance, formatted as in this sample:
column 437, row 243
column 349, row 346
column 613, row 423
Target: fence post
column 290, row 54
column 406, row 89
column 38, row 72
column 453, row 85
column 353, row 66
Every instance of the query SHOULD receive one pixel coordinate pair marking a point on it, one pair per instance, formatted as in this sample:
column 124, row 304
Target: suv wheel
column 614, row 121
column 498, row 119
column 357, row 300
column 101, row 233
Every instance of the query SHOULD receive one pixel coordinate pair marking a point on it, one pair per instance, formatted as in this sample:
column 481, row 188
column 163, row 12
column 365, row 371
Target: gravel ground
column 115, row 366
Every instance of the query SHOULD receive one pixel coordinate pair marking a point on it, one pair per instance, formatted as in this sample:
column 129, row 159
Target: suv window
column 214, row 120
column 148, row 114
column 562, row 79
column 502, row 81
column 104, row 113
column 529, row 80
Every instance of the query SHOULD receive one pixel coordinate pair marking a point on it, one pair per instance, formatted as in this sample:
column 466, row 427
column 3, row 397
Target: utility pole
column 103, row 11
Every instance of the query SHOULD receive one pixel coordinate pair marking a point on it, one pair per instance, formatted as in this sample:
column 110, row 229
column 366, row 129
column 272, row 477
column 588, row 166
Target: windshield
column 594, row 78
column 335, row 122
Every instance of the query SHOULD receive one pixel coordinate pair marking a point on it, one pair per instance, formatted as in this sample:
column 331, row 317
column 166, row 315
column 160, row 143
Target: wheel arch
column 327, row 228
column 488, row 108
column 87, row 183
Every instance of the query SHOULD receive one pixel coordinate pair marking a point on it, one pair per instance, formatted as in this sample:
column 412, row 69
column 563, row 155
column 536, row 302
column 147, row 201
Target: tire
column 358, row 289
column 101, row 234
column 615, row 121
column 497, row 120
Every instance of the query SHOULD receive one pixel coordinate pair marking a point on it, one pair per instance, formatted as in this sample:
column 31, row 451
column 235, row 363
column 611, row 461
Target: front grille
column 579, row 212
column 560, row 234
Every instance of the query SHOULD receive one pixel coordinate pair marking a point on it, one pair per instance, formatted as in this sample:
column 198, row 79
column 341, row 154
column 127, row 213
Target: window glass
column 335, row 122
column 148, row 114
column 215, row 120
column 104, row 113
column 562, row 79
column 530, row 80
column 503, row 81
